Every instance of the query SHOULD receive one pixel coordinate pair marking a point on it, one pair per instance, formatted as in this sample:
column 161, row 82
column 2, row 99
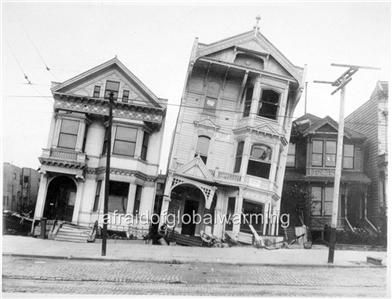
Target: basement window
column 260, row 161
column 118, row 197
column 269, row 104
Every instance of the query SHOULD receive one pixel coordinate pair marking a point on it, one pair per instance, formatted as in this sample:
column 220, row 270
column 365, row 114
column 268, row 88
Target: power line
column 18, row 63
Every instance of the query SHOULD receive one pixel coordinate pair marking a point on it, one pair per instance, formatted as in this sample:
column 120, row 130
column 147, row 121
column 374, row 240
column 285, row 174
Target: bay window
column 68, row 133
column 125, row 141
column 330, row 153
column 269, row 104
column 348, row 156
column 317, row 153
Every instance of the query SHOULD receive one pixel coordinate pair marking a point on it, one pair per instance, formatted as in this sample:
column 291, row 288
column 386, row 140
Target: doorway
column 190, row 209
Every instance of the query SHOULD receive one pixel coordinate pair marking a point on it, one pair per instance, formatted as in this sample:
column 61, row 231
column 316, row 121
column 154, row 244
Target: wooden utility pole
column 340, row 83
column 107, row 177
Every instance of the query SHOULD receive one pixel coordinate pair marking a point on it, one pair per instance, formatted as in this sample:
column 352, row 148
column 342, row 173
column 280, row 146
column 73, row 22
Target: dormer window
column 260, row 161
column 125, row 96
column 112, row 87
column 97, row 91
column 269, row 104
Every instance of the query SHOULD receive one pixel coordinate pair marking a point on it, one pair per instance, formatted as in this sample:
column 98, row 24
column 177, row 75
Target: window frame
column 197, row 152
column 289, row 154
column 262, row 104
column 317, row 153
column 260, row 161
column 348, row 157
column 115, row 92
column 326, row 153
column 97, row 90
column 323, row 201
column 125, row 96
column 116, row 139
column 61, row 133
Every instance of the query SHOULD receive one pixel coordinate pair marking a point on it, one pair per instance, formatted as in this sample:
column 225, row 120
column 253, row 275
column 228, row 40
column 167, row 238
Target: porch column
column 238, row 213
column 41, row 197
column 78, row 200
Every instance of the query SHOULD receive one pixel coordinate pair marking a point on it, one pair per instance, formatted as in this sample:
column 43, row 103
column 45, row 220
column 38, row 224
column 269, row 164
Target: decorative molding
column 122, row 172
column 207, row 123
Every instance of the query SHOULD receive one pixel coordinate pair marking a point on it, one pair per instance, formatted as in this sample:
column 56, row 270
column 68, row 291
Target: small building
column 73, row 162
column 229, row 147
column 311, row 165
column 20, row 188
column 371, row 119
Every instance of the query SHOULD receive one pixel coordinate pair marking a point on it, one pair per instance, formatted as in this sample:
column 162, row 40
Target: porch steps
column 184, row 240
column 73, row 233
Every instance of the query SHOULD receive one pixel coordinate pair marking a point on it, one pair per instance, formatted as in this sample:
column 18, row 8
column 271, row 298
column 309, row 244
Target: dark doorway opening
column 190, row 209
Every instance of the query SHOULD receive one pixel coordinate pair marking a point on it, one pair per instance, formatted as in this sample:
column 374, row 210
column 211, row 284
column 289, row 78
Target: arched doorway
column 187, row 206
column 60, row 199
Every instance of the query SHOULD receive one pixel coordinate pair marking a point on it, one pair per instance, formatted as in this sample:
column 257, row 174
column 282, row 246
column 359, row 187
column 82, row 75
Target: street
column 42, row 275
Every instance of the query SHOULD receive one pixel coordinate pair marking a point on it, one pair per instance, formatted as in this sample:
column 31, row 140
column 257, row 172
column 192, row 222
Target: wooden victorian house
column 311, row 164
column 230, row 143
column 74, row 159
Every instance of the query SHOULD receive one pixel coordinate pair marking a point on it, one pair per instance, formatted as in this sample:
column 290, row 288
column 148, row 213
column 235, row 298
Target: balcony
column 63, row 158
column 225, row 177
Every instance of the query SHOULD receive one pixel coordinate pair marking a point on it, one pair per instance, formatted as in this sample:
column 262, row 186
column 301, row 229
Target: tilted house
column 311, row 163
column 74, row 160
column 229, row 146
column 371, row 119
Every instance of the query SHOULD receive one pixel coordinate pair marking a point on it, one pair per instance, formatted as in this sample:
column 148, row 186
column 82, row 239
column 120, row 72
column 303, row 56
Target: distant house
column 73, row 162
column 311, row 163
column 371, row 119
column 229, row 148
column 20, row 188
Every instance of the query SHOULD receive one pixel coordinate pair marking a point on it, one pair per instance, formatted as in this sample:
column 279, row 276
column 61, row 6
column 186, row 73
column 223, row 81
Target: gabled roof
column 112, row 63
column 310, row 124
column 265, row 44
column 196, row 169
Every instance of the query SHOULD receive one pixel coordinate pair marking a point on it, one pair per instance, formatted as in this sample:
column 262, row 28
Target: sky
column 154, row 42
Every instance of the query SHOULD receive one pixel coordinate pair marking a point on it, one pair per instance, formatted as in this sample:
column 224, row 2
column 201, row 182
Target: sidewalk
column 137, row 251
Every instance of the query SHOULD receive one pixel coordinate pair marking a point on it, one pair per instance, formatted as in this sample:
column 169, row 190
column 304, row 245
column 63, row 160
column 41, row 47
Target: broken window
column 125, row 141
column 248, row 101
column 260, row 161
column 112, row 87
column 269, row 104
column 68, row 133
column 238, row 156
column 118, row 196
column 203, row 143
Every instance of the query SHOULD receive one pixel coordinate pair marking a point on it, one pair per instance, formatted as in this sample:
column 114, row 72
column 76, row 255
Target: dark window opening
column 238, row 156
column 252, row 213
column 97, row 193
column 97, row 91
column 248, row 101
column 269, row 103
column 125, row 96
column 112, row 87
column 125, row 141
column 260, row 161
column 203, row 144
column 118, row 196
column 68, row 133
column 138, row 197
column 230, row 213
column 146, row 138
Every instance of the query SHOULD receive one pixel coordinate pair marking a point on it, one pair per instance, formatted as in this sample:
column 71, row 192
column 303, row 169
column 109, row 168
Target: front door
column 190, row 209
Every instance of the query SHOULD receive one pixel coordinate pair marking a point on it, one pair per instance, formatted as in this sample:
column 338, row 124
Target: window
column 238, row 156
column 97, row 193
column 118, row 196
column 125, row 96
column 254, row 215
column 138, row 197
column 291, row 155
column 97, row 91
column 317, row 153
column 348, row 156
column 25, row 179
column 269, row 103
column 203, row 144
column 112, row 87
column 211, row 97
column 330, row 153
column 125, row 141
column 322, row 199
column 68, row 133
column 260, row 161
column 230, row 213
column 146, row 137
column 248, row 101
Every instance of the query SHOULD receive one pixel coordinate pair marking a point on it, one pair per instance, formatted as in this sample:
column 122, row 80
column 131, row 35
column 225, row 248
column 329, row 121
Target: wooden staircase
column 73, row 233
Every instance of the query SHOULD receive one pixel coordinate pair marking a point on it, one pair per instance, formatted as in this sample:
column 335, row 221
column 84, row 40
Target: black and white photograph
column 195, row 148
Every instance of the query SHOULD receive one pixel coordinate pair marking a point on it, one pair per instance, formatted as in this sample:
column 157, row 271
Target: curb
column 175, row 261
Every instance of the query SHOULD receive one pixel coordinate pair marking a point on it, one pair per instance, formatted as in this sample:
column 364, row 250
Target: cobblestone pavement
column 76, row 276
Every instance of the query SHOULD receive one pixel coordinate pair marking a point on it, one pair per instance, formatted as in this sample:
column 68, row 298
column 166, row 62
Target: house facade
column 372, row 120
column 73, row 162
column 229, row 147
column 311, row 165
column 20, row 188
